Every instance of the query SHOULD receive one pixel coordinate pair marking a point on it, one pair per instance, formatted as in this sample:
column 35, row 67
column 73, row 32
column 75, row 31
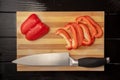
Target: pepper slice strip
column 88, row 40
column 84, row 20
column 80, row 35
column 66, row 36
column 97, row 26
column 74, row 34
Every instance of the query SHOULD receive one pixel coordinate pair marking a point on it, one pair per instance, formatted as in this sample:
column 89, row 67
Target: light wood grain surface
column 54, row 43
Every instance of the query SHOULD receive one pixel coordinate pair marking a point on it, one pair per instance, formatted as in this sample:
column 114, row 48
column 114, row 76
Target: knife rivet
column 108, row 59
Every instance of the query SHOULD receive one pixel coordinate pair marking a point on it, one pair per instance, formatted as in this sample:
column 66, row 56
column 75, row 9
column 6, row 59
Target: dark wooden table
column 8, row 10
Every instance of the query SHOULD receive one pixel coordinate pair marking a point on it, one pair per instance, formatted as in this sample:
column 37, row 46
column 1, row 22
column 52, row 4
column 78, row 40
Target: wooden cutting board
column 54, row 43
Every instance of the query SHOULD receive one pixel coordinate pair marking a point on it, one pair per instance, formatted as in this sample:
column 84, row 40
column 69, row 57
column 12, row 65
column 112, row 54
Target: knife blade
column 44, row 59
column 59, row 59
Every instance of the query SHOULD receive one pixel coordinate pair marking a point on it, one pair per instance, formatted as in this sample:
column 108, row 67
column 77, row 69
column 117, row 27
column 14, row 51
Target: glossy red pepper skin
column 38, row 31
column 96, row 25
column 84, row 20
column 80, row 35
column 29, row 23
column 66, row 36
column 74, row 35
column 83, row 31
column 33, row 28
column 88, row 40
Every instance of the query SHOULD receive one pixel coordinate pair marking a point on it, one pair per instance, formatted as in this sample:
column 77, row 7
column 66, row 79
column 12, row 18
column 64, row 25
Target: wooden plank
column 30, row 68
column 7, row 25
column 7, row 57
column 7, row 49
column 112, row 50
column 111, row 29
column 57, row 44
column 55, row 75
column 9, row 72
column 112, row 6
column 7, row 68
column 8, row 5
column 59, row 5
column 7, row 45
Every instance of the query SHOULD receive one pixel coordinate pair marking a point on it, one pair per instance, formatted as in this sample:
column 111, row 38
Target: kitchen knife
column 60, row 59
column 47, row 59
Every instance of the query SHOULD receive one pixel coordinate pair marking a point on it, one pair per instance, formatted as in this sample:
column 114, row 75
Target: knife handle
column 91, row 62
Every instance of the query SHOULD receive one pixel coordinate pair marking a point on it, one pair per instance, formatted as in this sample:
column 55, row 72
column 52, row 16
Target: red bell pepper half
column 37, row 31
column 29, row 23
column 33, row 28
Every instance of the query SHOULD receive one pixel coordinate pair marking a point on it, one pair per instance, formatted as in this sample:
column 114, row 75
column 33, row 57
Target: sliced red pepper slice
column 38, row 31
column 88, row 40
column 80, row 35
column 97, row 26
column 29, row 23
column 84, row 20
column 74, row 35
column 66, row 36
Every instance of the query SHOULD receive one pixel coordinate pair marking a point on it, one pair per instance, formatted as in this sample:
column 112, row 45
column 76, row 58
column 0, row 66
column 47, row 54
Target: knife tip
column 14, row 61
